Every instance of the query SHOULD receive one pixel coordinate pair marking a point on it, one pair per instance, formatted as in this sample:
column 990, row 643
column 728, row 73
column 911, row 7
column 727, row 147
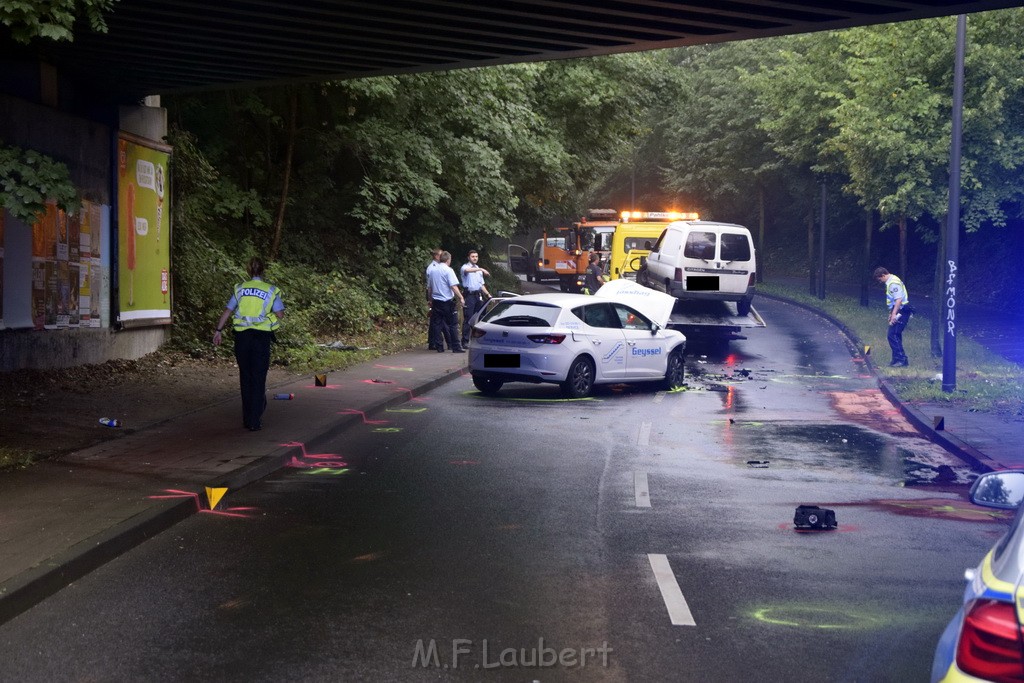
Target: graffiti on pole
column 951, row 298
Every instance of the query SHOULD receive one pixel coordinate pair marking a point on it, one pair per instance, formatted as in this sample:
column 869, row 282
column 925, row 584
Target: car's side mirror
column 1004, row 489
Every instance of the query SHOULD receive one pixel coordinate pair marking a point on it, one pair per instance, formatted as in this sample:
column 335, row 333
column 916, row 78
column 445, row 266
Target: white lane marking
column 659, row 397
column 643, row 494
column 645, row 434
column 678, row 610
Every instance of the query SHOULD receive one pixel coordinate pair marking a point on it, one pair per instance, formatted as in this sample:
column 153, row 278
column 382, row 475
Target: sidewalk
column 61, row 519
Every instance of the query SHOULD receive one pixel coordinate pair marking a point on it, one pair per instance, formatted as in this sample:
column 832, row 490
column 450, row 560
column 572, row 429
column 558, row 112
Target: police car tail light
column 546, row 338
column 476, row 333
column 990, row 644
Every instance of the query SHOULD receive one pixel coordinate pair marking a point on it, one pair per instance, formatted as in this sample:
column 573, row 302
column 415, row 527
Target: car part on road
column 814, row 517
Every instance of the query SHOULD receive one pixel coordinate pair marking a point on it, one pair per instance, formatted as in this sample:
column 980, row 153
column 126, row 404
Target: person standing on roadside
column 595, row 276
column 898, row 302
column 475, row 290
column 444, row 291
column 256, row 310
column 434, row 344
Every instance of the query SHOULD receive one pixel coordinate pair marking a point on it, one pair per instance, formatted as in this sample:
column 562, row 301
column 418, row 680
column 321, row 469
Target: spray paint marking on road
column 678, row 610
column 640, row 490
column 366, row 421
column 645, row 434
column 659, row 397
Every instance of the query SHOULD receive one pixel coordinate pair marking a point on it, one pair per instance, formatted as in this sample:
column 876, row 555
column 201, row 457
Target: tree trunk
column 812, row 267
column 903, row 248
column 293, row 107
column 760, row 233
column 939, row 291
column 865, row 265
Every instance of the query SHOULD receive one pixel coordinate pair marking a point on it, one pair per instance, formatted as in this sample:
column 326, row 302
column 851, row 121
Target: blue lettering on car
column 646, row 352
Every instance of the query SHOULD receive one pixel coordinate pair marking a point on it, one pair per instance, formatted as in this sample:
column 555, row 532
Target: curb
column 28, row 589
column 953, row 444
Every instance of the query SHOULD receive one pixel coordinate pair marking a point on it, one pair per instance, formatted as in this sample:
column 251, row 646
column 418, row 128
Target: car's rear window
column 700, row 245
column 513, row 313
column 735, row 247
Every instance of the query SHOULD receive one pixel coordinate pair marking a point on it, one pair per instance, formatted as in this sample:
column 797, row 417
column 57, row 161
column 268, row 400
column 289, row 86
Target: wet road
column 638, row 536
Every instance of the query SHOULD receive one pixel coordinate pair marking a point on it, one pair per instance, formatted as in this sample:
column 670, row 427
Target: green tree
column 51, row 19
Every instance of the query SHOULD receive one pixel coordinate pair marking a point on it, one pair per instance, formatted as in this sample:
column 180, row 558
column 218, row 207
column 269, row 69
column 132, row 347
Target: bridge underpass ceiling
column 167, row 46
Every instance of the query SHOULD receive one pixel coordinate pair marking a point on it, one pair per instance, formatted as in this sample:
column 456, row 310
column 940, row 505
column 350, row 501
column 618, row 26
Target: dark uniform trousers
column 474, row 302
column 444, row 323
column 252, row 352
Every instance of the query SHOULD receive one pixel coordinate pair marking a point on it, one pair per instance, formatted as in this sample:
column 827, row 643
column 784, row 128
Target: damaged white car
column 577, row 341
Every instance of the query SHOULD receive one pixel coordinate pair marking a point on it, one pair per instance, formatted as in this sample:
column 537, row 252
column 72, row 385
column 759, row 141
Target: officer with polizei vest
column 256, row 310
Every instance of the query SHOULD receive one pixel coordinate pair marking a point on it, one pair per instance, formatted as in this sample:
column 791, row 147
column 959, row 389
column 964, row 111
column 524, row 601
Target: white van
column 703, row 260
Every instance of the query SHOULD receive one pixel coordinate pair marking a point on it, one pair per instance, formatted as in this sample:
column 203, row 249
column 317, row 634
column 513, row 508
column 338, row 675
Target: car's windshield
column 515, row 313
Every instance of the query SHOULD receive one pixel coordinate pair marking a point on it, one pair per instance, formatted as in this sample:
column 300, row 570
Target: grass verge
column 985, row 382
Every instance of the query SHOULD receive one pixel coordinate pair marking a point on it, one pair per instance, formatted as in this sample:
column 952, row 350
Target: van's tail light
column 546, row 338
column 750, row 280
column 679, row 274
column 990, row 644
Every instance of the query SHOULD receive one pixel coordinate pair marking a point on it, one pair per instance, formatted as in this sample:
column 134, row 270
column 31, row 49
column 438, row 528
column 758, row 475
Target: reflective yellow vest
column 254, row 306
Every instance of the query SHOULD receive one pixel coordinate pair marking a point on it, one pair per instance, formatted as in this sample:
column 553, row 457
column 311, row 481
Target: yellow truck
column 634, row 235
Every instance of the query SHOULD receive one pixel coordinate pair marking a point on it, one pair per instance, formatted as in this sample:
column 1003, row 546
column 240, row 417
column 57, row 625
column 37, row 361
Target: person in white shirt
column 475, row 290
column 444, row 291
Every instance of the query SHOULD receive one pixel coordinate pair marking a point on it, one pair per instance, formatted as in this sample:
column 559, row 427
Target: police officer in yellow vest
column 256, row 310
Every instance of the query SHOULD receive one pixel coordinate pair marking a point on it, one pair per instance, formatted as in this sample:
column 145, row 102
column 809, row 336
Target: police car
column 577, row 341
column 984, row 640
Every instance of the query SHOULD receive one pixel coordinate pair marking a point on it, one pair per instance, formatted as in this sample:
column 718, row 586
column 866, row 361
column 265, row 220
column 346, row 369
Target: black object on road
column 814, row 517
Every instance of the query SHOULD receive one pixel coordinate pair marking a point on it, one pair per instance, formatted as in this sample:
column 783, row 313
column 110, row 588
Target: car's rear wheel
column 487, row 385
column 675, row 371
column 580, row 380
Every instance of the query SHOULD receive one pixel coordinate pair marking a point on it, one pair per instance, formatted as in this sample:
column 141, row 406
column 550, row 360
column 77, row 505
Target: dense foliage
column 346, row 186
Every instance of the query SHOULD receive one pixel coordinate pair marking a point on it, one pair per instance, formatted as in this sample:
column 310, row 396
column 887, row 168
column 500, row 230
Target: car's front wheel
column 487, row 385
column 675, row 371
column 580, row 380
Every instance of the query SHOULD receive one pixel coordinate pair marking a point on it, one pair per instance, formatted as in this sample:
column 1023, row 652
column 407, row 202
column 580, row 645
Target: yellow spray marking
column 824, row 618
column 213, row 495
column 388, row 430
column 406, row 410
column 335, row 471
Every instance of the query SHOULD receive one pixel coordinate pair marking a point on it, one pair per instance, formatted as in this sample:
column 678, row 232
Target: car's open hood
column 655, row 305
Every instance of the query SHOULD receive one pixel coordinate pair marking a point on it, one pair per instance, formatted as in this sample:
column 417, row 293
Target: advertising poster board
column 143, row 232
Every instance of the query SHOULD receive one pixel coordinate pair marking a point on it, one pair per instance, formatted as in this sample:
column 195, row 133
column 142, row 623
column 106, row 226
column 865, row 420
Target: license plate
column 501, row 360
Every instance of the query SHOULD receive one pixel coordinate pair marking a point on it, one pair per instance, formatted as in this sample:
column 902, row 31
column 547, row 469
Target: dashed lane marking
column 645, row 434
column 643, row 494
column 678, row 611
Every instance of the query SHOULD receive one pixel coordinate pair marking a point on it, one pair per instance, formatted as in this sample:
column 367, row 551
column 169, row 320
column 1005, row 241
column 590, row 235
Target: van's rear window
column 735, row 247
column 700, row 245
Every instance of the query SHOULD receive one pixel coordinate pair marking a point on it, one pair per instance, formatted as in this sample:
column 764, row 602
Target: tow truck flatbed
column 697, row 318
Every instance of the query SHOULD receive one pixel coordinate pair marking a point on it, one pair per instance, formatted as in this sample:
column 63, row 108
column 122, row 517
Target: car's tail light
column 750, row 280
column 476, row 333
column 546, row 338
column 679, row 274
column 990, row 642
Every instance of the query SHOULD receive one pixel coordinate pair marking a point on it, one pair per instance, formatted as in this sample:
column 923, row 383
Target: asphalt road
column 635, row 536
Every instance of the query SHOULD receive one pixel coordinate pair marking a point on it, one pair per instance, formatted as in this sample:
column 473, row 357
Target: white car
column 577, row 341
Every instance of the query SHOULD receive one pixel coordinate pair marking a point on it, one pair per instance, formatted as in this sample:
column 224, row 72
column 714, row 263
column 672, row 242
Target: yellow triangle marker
column 214, row 495
column 321, row 380
column 867, row 350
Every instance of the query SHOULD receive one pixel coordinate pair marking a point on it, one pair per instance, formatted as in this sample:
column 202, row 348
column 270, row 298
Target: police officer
column 898, row 302
column 256, row 310
column 444, row 290
column 475, row 290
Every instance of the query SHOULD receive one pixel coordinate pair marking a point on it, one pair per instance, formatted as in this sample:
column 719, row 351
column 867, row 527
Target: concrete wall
column 87, row 146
